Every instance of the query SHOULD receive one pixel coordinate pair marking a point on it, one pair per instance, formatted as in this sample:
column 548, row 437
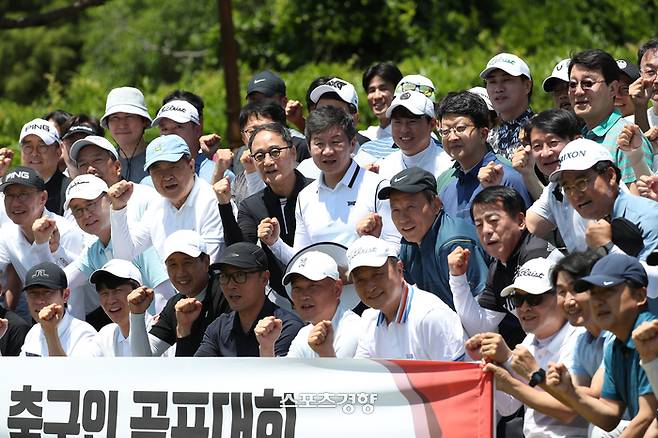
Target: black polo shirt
column 56, row 188
column 12, row 341
column 502, row 275
column 225, row 337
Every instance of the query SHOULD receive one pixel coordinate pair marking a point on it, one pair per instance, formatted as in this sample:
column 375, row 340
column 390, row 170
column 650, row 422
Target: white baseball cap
column 532, row 278
column 580, row 154
column 342, row 88
column 186, row 241
column 482, row 92
column 418, row 82
column 508, row 63
column 314, row 265
column 94, row 140
column 42, row 129
column 416, row 102
column 119, row 268
column 369, row 251
column 85, row 187
column 560, row 74
column 180, row 111
column 125, row 100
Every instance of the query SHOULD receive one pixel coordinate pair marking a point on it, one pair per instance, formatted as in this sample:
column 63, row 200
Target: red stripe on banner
column 448, row 399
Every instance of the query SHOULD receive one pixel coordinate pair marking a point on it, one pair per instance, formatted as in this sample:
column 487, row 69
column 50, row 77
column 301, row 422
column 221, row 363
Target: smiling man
column 509, row 85
column 403, row 322
column 243, row 276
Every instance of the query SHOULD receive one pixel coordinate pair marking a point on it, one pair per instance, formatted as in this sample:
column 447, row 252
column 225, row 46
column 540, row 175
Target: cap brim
column 175, row 116
column 4, row 185
column 124, row 108
column 550, row 82
column 486, row 71
column 586, row 283
column 191, row 251
column 75, row 149
column 652, row 259
column 170, row 158
column 43, row 283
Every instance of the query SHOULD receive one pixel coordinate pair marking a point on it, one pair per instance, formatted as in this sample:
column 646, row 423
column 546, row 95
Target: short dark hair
column 465, row 103
column 512, row 201
column 84, row 120
column 576, row 264
column 321, row 119
column 276, row 128
column 565, row 124
column 59, row 116
column 312, row 86
column 193, row 99
column 602, row 167
column 652, row 44
column 385, row 70
column 110, row 281
column 263, row 108
column 597, row 59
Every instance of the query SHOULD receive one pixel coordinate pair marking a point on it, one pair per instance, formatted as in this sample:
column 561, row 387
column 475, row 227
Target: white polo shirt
column 77, row 339
column 110, row 342
column 347, row 328
column 199, row 212
column 433, row 159
column 424, row 328
column 325, row 214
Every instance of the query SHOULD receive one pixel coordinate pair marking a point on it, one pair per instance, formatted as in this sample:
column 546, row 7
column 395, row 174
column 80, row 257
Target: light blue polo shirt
column 606, row 133
column 624, row 378
column 588, row 353
column 148, row 263
column 642, row 212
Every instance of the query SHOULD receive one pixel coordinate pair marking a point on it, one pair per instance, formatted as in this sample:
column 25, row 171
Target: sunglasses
column 532, row 300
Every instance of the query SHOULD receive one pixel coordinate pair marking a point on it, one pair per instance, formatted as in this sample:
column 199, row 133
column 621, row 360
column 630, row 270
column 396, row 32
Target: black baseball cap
column 80, row 129
column 267, row 83
column 46, row 274
column 244, row 255
column 25, row 176
column 411, row 180
column 629, row 69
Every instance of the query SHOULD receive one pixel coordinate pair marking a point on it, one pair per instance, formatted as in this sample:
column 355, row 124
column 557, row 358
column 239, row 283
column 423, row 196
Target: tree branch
column 44, row 18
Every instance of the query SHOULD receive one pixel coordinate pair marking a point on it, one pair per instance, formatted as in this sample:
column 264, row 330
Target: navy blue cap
column 267, row 83
column 612, row 270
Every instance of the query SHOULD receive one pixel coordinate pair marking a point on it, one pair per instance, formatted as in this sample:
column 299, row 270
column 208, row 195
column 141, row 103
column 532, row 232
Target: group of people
column 461, row 228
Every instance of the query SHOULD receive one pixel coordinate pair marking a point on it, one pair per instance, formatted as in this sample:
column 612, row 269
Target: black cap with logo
column 25, row 176
column 267, row 83
column 46, row 274
column 411, row 180
column 244, row 255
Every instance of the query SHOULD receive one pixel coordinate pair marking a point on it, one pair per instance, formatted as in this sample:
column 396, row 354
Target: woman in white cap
column 127, row 117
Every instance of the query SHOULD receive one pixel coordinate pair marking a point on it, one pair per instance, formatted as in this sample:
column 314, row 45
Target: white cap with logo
column 560, row 74
column 42, row 129
column 342, row 88
column 532, row 278
column 580, row 154
column 508, row 63
column 186, row 241
column 314, row 265
column 180, row 111
column 369, row 251
column 87, row 187
column 119, row 268
column 94, row 140
column 416, row 102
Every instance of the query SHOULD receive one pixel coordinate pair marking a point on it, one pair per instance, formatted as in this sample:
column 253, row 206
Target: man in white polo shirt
column 404, row 322
column 412, row 121
column 329, row 209
column 57, row 332
column 315, row 291
column 186, row 202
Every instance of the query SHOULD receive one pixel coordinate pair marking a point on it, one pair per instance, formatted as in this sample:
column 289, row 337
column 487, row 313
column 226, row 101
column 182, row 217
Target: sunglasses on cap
column 410, row 86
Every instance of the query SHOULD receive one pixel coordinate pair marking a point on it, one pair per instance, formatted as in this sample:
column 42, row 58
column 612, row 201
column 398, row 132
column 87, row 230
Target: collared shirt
column 606, row 133
column 376, row 132
column 588, row 355
column 433, row 159
column 558, row 348
column 505, row 138
column 624, row 379
column 132, row 168
column 346, row 327
column 77, row 339
column 325, row 214
column 198, row 212
column 376, row 149
column 458, row 187
column 204, row 167
column 424, row 328
column 56, row 188
column 426, row 265
column 226, row 338
column 642, row 212
column 110, row 342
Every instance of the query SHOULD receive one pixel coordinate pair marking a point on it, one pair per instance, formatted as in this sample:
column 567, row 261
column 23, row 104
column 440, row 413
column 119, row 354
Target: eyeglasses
column 580, row 185
column 78, row 212
column 22, row 196
column 275, row 153
column 41, row 148
column 457, row 130
column 238, row 277
column 532, row 300
column 410, row 86
column 585, row 84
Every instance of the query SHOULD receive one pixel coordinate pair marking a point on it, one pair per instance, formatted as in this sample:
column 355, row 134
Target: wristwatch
column 537, row 377
column 608, row 247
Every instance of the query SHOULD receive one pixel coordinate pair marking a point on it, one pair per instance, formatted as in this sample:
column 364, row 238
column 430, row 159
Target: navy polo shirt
column 624, row 378
column 226, row 338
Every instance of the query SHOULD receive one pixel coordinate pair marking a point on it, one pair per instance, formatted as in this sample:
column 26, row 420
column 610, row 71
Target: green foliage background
column 161, row 45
